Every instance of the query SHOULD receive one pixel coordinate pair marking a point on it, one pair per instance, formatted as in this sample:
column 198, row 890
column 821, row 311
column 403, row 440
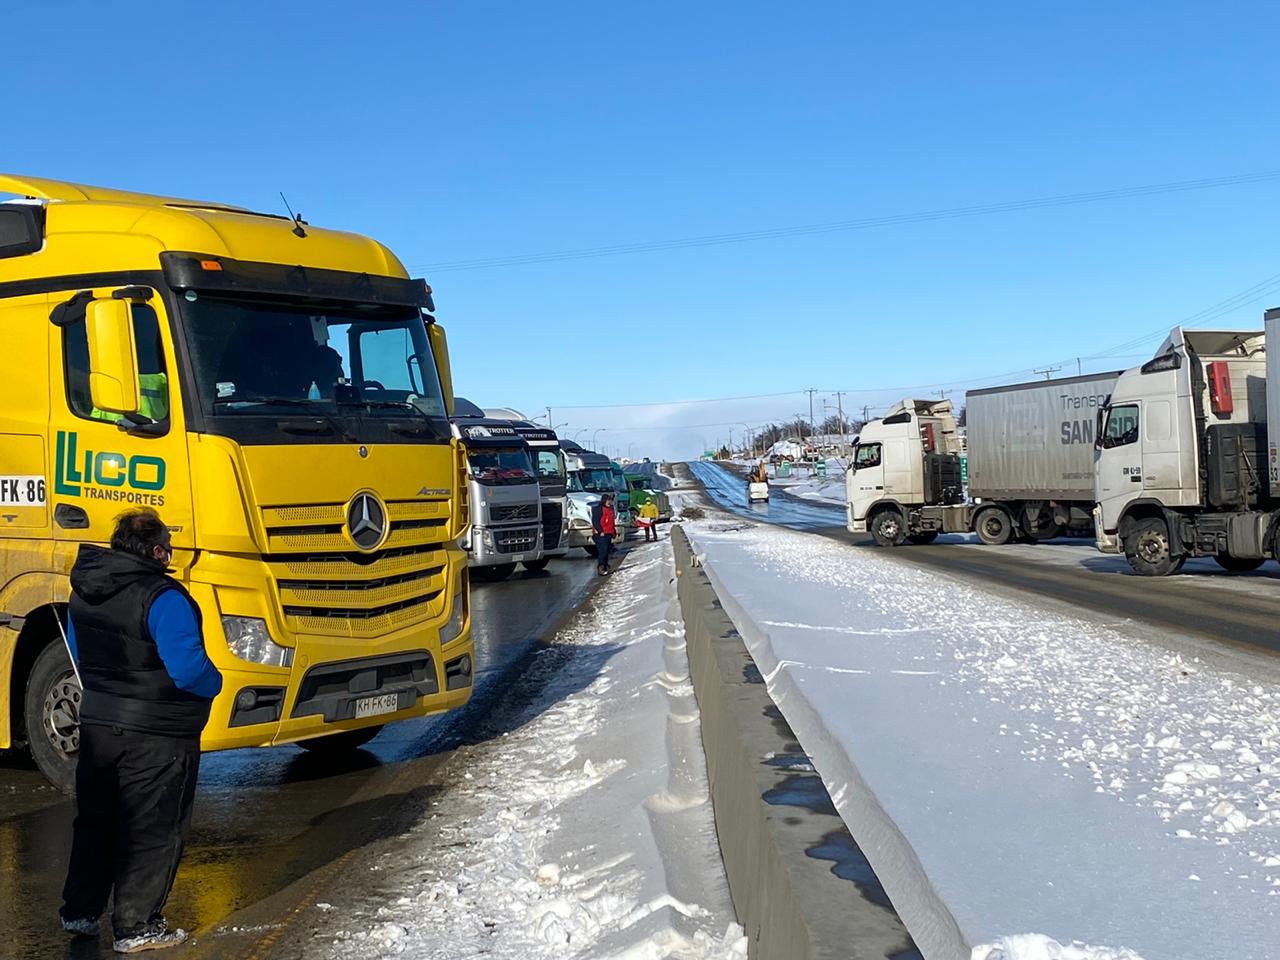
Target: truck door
column 864, row 483
column 105, row 463
column 1118, row 475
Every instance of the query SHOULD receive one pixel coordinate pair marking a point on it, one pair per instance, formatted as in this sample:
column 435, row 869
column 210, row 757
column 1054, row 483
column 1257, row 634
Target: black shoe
column 149, row 936
column 80, row 926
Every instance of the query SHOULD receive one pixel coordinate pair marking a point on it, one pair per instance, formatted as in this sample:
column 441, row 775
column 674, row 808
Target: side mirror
column 1097, row 429
column 114, row 385
column 440, row 349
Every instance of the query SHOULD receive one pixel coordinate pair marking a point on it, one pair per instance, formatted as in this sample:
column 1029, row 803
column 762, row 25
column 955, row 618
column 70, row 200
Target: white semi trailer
column 1030, row 464
column 1184, row 467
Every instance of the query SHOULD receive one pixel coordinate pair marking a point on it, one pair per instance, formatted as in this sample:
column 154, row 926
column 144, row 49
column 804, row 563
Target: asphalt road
column 1203, row 601
column 273, row 826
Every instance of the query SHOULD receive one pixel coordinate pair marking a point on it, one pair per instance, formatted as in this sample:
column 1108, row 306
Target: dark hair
column 139, row 532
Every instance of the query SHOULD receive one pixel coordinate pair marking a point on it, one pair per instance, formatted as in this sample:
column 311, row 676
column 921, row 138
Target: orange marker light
column 210, row 265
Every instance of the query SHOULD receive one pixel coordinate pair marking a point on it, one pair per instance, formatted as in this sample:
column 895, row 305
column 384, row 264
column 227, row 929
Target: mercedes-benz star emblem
column 366, row 521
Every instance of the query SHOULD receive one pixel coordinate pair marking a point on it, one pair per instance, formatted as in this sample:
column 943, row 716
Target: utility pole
column 866, row 412
column 811, row 391
column 549, row 420
column 1079, row 368
column 1048, row 371
column 840, row 413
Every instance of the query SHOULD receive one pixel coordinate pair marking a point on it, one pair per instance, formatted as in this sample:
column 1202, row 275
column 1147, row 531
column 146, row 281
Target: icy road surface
column 1010, row 770
column 577, row 825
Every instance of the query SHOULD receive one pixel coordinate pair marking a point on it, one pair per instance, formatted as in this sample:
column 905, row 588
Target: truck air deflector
column 212, row 274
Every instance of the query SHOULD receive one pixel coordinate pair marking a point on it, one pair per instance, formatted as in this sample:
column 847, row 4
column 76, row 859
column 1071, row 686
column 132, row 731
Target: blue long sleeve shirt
column 176, row 631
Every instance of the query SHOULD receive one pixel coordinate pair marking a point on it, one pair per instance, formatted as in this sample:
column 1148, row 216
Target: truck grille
column 550, row 526
column 518, row 511
column 326, row 586
column 520, row 540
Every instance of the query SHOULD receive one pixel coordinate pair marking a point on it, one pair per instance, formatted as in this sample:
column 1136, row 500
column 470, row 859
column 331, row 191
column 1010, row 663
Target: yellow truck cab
column 280, row 394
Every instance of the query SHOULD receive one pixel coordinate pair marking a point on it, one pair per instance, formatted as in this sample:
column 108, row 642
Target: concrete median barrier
column 800, row 885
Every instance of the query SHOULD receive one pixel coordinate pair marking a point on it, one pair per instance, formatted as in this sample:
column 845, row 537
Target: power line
column 861, row 223
column 1251, row 294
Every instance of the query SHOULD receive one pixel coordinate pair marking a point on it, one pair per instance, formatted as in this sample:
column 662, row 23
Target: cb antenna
column 297, row 220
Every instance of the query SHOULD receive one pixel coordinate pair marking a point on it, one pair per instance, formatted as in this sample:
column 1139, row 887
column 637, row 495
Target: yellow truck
column 280, row 394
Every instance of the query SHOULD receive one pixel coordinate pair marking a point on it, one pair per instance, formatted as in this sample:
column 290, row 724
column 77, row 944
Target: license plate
column 518, row 558
column 374, row 706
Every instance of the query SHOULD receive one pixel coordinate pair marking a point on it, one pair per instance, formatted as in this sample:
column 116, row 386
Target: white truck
column 590, row 476
column 1029, row 459
column 1184, row 467
column 505, row 498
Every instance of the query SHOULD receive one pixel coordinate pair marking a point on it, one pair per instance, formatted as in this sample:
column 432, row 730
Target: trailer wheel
column 1237, row 564
column 993, row 526
column 1147, row 549
column 887, row 528
column 928, row 536
column 1038, row 524
column 51, row 711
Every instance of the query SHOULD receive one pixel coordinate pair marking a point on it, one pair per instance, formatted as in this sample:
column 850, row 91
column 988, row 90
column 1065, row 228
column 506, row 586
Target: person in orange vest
column 604, row 526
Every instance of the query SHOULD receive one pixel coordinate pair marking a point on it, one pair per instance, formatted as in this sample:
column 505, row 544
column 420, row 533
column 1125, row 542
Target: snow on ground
column 1009, row 769
column 580, row 825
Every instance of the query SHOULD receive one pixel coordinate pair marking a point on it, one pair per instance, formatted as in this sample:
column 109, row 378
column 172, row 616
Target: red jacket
column 603, row 520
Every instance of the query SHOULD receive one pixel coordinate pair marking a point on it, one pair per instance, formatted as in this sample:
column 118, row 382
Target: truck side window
column 1122, row 426
column 868, row 456
column 151, row 369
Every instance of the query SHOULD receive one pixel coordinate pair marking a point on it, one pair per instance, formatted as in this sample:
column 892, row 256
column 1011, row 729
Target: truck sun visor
column 193, row 271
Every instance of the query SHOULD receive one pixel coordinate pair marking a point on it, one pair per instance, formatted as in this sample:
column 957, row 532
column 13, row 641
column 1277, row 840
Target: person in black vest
column 135, row 635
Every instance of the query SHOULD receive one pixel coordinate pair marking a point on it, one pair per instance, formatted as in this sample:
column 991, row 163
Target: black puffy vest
column 125, row 682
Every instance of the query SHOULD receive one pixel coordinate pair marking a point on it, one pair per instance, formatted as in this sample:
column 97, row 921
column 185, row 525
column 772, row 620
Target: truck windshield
column 551, row 465
column 259, row 359
column 598, row 480
column 499, row 465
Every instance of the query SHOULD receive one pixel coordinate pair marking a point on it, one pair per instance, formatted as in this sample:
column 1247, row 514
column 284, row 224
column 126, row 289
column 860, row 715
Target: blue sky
column 456, row 131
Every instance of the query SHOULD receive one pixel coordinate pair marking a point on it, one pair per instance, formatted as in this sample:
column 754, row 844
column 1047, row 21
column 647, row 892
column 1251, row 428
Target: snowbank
column 580, row 825
column 1010, row 769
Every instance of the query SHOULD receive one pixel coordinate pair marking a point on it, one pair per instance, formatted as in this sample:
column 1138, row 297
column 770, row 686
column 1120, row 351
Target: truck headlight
column 248, row 639
column 453, row 629
column 486, row 537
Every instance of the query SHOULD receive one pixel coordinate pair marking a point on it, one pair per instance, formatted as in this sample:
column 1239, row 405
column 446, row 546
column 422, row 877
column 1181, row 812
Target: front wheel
column 928, row 536
column 537, row 566
column 1147, row 549
column 1237, row 564
column 591, row 550
column 51, row 711
column 494, row 572
column 336, row 743
column 994, row 527
column 887, row 528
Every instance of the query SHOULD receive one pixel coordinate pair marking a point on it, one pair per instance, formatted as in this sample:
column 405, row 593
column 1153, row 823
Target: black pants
column 651, row 531
column 604, row 543
column 134, row 793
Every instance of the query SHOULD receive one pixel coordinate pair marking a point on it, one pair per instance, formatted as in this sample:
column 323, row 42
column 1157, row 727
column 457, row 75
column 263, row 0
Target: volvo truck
column 280, row 394
column 506, row 514
column 553, row 480
column 1029, row 455
column 1185, row 466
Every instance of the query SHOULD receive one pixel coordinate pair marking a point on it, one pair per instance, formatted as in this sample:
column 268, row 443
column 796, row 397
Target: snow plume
column 579, row 825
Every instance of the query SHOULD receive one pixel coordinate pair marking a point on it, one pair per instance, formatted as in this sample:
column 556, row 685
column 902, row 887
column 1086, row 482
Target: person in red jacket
column 604, row 525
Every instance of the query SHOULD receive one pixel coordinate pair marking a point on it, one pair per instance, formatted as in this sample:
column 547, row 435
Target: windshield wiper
column 431, row 425
column 311, row 406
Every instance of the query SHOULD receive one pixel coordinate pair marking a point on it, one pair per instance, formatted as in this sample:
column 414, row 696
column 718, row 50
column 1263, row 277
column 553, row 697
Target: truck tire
column 993, row 526
column 1237, row 564
column 928, row 536
column 537, row 566
column 1038, row 524
column 494, row 572
column 1147, row 549
column 51, row 712
column 888, row 528
column 336, row 743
